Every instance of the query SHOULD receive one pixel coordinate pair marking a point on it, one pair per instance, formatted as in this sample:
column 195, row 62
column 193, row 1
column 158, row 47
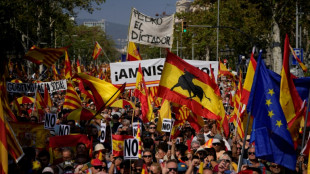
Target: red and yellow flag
column 223, row 70
column 104, row 93
column 248, row 81
column 3, row 143
column 290, row 100
column 72, row 99
column 121, row 103
column 138, row 136
column 83, row 114
column 55, row 72
column 96, row 51
column 39, row 103
column 303, row 66
column 45, row 56
column 78, row 66
column 68, row 70
column 164, row 112
column 195, row 121
column 185, row 84
column 118, row 144
column 141, row 93
column 47, row 98
column 132, row 52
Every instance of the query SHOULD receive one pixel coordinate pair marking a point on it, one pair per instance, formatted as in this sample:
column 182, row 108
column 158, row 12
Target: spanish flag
column 164, row 112
column 187, row 85
column 47, row 98
column 68, row 70
column 72, row 99
column 104, row 93
column 248, row 81
column 118, row 144
column 45, row 56
column 290, row 100
column 132, row 52
column 121, row 103
column 223, row 70
column 141, row 93
column 96, row 51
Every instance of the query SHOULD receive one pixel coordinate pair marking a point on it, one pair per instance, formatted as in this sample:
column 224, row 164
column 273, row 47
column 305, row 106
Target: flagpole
column 243, row 145
column 305, row 124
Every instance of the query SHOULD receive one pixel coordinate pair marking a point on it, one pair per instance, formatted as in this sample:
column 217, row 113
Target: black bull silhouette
column 186, row 83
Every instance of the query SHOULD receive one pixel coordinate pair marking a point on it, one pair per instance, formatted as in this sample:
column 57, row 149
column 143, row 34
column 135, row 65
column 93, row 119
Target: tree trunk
column 276, row 47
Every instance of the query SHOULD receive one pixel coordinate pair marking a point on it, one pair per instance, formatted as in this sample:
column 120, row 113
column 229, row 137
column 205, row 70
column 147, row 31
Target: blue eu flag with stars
column 272, row 139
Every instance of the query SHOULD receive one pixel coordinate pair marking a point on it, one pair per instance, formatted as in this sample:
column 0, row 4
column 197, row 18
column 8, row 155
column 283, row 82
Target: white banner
column 50, row 121
column 122, row 72
column 52, row 86
column 131, row 148
column 151, row 31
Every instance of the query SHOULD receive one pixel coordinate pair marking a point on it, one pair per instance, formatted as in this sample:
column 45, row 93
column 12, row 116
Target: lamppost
column 227, row 52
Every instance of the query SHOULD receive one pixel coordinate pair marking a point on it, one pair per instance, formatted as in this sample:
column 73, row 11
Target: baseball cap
column 99, row 147
column 47, row 170
column 182, row 167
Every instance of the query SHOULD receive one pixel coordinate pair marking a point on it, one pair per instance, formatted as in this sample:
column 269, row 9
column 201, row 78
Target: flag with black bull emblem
column 187, row 85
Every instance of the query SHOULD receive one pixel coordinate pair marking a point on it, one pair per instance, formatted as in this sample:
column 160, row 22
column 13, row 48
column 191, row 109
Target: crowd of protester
column 187, row 153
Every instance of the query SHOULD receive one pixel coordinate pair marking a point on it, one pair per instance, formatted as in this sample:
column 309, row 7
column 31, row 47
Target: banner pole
column 243, row 145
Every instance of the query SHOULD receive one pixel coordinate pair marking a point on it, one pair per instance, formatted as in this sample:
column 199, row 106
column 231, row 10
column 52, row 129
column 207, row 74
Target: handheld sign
column 102, row 132
column 166, row 126
column 50, row 121
column 62, row 129
column 135, row 128
column 131, row 148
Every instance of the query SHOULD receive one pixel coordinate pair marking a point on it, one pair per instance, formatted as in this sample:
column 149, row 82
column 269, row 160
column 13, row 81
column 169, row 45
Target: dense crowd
column 189, row 152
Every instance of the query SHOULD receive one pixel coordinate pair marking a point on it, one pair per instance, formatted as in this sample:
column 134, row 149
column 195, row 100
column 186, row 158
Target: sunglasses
column 152, row 127
column 251, row 153
column 173, row 169
column 239, row 148
column 98, row 167
column 138, row 170
column 147, row 156
column 275, row 166
column 215, row 144
column 225, row 160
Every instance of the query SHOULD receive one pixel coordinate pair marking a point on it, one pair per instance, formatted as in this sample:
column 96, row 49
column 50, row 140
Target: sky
column 118, row 11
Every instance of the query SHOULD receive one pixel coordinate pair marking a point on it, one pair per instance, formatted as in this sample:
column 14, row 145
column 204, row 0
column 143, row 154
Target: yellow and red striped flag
column 45, row 56
column 68, row 70
column 290, row 100
column 96, row 51
column 132, row 52
column 72, row 99
column 164, row 112
column 223, row 71
column 303, row 66
column 121, row 103
column 47, row 98
column 78, row 66
column 16, row 106
column 55, row 72
column 39, row 103
column 141, row 93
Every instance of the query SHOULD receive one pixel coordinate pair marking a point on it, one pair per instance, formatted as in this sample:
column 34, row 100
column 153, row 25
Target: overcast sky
column 118, row 11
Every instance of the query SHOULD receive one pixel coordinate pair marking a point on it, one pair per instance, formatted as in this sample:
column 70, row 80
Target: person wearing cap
column 99, row 152
column 48, row 170
column 217, row 145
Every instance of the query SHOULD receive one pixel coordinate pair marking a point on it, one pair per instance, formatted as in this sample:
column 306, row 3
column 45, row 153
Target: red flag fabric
column 69, row 140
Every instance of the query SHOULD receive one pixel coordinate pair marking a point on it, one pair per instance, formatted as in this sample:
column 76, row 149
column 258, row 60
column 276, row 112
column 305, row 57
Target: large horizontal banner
column 151, row 31
column 52, row 86
column 122, row 72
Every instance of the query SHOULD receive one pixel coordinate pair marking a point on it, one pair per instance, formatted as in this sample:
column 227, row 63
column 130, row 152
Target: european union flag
column 273, row 141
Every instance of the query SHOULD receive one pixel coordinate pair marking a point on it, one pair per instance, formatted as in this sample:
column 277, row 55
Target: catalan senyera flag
column 96, row 51
column 248, row 81
column 132, row 52
column 78, row 66
column 104, row 93
column 72, row 99
column 185, row 84
column 68, row 70
column 16, row 106
column 303, row 66
column 118, row 144
column 9, row 115
column 55, row 72
column 164, row 112
column 47, row 98
column 39, row 103
column 45, row 56
column 141, row 93
column 236, row 114
column 14, row 148
column 290, row 100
